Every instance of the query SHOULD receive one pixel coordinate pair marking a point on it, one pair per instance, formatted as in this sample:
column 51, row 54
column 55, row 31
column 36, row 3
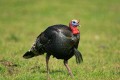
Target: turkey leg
column 68, row 68
column 47, row 61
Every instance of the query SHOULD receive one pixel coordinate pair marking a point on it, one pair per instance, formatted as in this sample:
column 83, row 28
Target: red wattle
column 75, row 30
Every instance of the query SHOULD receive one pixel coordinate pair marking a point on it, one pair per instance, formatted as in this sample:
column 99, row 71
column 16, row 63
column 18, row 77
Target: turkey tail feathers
column 28, row 54
column 78, row 56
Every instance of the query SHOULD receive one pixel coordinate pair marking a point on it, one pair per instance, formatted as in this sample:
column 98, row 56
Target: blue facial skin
column 75, row 23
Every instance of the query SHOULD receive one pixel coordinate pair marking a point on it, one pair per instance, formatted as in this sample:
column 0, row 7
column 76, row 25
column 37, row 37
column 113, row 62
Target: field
column 21, row 21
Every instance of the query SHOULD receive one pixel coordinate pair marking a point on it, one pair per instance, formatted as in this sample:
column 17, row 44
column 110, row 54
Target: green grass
column 21, row 21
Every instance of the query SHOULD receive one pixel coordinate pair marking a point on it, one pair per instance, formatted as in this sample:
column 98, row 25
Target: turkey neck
column 74, row 30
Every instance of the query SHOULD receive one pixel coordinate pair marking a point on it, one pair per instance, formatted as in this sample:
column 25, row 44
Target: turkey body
column 58, row 41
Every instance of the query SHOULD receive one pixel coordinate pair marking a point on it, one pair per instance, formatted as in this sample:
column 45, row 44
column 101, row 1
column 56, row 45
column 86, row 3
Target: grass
column 21, row 21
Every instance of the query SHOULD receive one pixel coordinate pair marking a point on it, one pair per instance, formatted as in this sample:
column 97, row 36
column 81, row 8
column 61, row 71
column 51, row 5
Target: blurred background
column 21, row 21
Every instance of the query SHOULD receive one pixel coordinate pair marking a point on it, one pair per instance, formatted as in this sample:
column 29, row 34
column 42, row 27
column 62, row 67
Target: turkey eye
column 73, row 21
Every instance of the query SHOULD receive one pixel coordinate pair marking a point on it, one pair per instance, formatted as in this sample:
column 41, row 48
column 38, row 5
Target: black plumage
column 59, row 41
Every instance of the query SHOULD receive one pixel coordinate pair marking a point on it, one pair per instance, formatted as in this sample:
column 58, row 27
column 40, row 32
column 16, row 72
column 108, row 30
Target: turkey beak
column 79, row 25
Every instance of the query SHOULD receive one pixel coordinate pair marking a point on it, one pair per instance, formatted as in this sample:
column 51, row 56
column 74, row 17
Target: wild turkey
column 61, row 41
